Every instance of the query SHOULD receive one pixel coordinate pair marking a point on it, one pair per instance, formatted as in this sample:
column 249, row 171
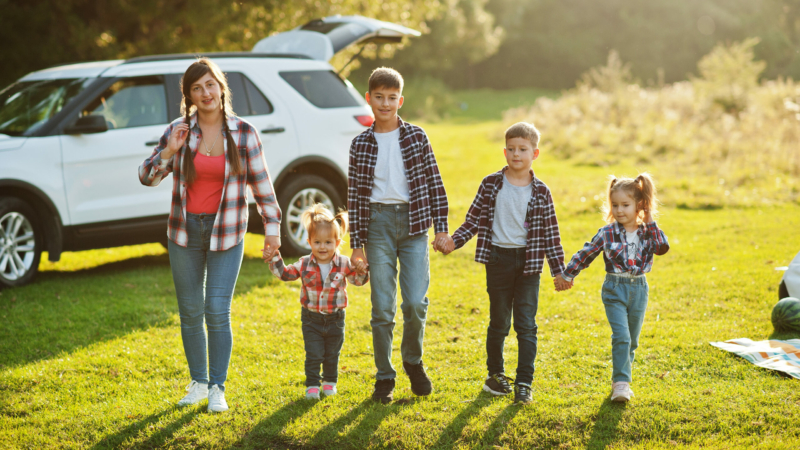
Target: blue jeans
column 388, row 242
column 323, row 336
column 204, row 282
column 511, row 292
column 625, row 300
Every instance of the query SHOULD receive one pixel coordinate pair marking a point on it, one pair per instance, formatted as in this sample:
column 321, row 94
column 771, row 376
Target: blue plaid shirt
column 613, row 242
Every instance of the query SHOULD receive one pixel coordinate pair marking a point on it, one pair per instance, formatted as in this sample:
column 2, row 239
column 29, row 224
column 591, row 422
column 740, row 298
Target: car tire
column 21, row 242
column 294, row 197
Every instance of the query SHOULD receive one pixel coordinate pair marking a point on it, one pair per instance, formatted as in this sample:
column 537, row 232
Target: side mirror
column 88, row 124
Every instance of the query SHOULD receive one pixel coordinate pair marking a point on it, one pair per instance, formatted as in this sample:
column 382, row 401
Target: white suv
column 72, row 138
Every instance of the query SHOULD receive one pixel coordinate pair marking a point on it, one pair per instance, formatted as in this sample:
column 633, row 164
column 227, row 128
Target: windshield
column 27, row 105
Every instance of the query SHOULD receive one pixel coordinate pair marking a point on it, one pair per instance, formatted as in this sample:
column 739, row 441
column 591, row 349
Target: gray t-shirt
column 509, row 229
column 324, row 270
column 390, row 183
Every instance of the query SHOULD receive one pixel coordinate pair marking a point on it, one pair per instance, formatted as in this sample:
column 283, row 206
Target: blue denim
column 323, row 336
column 625, row 300
column 388, row 242
column 511, row 292
column 204, row 283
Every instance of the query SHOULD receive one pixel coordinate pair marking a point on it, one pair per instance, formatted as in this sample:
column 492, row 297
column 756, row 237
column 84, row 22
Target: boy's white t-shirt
column 390, row 182
column 509, row 229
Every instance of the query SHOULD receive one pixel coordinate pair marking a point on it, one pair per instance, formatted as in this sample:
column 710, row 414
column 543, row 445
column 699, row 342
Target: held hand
column 449, row 246
column 271, row 246
column 360, row 266
column 562, row 284
column 176, row 140
column 440, row 242
column 358, row 258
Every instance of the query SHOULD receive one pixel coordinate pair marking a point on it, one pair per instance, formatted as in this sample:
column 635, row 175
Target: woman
column 213, row 156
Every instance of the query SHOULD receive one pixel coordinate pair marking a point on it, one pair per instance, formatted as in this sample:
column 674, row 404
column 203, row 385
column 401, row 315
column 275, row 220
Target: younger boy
column 515, row 220
column 395, row 194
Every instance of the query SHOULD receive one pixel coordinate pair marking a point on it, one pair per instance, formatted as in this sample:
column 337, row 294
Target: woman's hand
column 176, row 140
column 271, row 246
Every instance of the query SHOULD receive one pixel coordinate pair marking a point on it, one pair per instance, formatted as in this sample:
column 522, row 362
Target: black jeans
column 510, row 292
column 323, row 335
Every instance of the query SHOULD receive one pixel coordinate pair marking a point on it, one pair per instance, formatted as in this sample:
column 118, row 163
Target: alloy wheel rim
column 17, row 246
column 294, row 214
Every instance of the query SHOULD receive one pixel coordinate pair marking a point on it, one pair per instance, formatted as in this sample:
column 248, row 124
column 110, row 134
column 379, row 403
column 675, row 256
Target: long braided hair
column 197, row 70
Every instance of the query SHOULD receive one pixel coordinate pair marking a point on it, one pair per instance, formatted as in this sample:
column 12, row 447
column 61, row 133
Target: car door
column 100, row 170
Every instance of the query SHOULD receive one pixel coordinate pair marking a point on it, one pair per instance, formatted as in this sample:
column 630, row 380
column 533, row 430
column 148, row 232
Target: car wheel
column 294, row 197
column 20, row 242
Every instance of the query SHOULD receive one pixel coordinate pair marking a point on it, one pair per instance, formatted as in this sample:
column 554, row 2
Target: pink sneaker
column 329, row 389
column 312, row 393
column 621, row 391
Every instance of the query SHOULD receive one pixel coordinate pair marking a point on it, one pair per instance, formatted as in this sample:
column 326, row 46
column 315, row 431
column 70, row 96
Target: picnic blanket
column 783, row 356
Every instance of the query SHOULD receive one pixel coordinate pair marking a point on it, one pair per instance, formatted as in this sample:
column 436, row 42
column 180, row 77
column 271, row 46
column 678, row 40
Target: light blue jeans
column 388, row 242
column 625, row 300
column 204, row 282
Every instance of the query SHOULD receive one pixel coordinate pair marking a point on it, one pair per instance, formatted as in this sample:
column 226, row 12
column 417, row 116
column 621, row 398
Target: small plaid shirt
column 231, row 222
column 613, row 242
column 427, row 197
column 544, row 239
column 323, row 296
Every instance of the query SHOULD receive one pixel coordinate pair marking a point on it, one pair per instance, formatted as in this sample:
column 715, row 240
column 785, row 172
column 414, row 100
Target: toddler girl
column 628, row 244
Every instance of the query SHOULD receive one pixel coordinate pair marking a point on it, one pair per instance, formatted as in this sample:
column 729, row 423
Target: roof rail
column 212, row 55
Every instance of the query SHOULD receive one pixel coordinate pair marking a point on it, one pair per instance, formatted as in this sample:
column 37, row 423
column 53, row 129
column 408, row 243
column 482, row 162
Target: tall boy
column 395, row 194
column 515, row 220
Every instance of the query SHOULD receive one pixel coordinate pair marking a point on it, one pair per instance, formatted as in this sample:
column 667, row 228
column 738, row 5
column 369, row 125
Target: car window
column 323, row 88
column 238, row 94
column 259, row 104
column 132, row 102
column 27, row 105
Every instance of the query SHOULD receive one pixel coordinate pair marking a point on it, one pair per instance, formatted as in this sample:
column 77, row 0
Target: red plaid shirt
column 323, row 296
column 427, row 197
column 231, row 222
column 543, row 239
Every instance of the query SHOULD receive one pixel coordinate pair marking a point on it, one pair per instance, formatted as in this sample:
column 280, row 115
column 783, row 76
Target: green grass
column 91, row 355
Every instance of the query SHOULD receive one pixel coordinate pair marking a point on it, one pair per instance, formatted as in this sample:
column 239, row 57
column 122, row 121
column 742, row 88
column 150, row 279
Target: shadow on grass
column 607, row 419
column 492, row 436
column 157, row 439
column 450, row 435
column 266, row 434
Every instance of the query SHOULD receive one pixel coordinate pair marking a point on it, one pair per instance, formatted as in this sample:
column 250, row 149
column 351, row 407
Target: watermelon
column 786, row 315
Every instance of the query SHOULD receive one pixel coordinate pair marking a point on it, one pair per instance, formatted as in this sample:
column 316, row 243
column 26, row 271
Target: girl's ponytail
column 647, row 187
column 343, row 219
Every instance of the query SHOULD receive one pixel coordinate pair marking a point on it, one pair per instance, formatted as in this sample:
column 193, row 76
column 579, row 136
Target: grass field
column 91, row 355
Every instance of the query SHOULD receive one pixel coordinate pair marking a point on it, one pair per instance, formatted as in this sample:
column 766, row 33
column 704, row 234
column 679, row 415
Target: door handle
column 273, row 130
column 150, row 143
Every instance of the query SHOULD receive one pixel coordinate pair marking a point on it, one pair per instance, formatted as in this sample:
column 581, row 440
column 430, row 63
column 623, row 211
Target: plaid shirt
column 613, row 242
column 540, row 220
column 427, row 197
column 323, row 296
column 231, row 222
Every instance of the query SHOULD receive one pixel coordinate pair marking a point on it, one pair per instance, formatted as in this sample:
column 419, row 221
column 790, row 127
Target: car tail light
column 365, row 120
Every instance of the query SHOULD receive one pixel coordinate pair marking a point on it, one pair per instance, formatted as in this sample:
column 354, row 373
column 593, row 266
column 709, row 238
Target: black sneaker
column 420, row 381
column 384, row 390
column 498, row 384
column 522, row 394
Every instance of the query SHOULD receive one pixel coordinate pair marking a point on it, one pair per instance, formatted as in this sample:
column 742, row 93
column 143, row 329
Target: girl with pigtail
column 213, row 156
column 324, row 274
column 628, row 243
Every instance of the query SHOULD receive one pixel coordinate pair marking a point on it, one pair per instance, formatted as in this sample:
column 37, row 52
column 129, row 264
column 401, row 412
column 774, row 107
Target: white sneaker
column 196, row 393
column 329, row 389
column 312, row 393
column 621, row 391
column 216, row 400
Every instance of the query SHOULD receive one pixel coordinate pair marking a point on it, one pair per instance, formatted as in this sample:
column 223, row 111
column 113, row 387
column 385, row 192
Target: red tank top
column 205, row 194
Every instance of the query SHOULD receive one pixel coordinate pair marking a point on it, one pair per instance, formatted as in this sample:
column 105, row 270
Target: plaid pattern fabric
column 427, row 197
column 231, row 223
column 613, row 242
column 544, row 239
column 323, row 296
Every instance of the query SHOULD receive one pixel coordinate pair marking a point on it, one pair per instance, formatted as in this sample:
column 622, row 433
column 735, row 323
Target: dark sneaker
column 420, row 381
column 498, row 384
column 522, row 394
column 384, row 390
